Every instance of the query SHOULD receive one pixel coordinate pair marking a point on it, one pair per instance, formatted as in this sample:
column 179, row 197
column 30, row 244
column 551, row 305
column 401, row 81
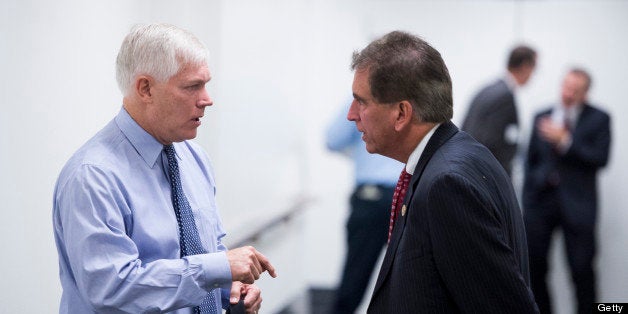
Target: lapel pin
column 403, row 210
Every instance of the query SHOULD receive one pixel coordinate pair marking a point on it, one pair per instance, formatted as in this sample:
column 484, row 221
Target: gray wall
column 280, row 72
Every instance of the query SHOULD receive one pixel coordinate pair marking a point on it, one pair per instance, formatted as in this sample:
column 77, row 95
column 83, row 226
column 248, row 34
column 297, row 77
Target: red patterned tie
column 400, row 193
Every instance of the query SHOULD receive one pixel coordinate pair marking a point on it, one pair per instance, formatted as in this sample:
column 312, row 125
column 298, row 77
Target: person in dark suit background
column 492, row 116
column 456, row 241
column 570, row 143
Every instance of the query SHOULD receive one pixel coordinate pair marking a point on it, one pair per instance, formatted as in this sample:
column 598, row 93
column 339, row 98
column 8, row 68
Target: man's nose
column 352, row 115
column 205, row 99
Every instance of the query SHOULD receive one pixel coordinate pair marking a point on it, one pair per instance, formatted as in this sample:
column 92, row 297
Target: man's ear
column 143, row 85
column 405, row 114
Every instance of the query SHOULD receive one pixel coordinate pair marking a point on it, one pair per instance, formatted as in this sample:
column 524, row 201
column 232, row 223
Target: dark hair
column 582, row 72
column 404, row 67
column 520, row 56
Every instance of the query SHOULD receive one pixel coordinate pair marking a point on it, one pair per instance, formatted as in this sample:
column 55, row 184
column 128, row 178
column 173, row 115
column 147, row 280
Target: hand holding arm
column 251, row 295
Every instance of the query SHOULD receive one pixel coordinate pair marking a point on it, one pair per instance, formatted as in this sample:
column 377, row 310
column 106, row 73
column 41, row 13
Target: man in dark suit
column 568, row 146
column 457, row 241
column 492, row 117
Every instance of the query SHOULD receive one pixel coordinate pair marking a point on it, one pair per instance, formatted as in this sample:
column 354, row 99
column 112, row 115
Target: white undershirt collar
column 413, row 160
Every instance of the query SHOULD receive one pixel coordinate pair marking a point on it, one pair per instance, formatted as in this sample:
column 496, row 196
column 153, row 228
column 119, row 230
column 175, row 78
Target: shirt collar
column 144, row 143
column 413, row 160
column 511, row 82
column 560, row 113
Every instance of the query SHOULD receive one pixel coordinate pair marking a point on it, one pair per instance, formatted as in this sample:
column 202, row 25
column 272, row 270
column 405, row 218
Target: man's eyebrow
column 197, row 81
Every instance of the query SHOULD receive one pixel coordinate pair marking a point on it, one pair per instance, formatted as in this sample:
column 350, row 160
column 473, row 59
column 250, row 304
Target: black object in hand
column 236, row 308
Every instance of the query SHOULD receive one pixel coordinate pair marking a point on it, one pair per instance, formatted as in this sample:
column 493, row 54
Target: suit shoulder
column 597, row 110
column 462, row 160
column 495, row 91
column 462, row 154
column 491, row 100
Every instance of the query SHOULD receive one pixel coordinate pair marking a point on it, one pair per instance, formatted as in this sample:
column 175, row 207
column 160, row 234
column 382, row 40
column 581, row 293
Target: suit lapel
column 444, row 132
column 586, row 109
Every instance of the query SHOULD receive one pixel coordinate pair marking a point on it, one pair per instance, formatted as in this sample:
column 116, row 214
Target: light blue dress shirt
column 116, row 230
column 343, row 136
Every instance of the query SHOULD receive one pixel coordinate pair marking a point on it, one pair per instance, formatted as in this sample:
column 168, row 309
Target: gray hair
column 405, row 67
column 156, row 50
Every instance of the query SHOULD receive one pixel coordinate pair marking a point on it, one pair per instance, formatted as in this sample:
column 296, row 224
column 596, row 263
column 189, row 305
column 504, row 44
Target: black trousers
column 367, row 233
column 540, row 223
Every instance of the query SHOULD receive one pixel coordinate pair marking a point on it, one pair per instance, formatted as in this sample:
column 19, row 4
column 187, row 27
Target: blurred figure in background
column 492, row 116
column 569, row 144
column 367, row 226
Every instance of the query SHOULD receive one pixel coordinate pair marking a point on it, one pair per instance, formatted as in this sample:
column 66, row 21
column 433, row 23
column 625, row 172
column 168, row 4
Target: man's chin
column 371, row 149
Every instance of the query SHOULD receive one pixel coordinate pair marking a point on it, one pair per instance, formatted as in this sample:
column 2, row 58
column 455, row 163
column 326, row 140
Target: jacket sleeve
column 591, row 143
column 471, row 252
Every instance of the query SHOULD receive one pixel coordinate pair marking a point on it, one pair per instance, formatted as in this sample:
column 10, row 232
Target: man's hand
column 552, row 132
column 247, row 264
column 251, row 295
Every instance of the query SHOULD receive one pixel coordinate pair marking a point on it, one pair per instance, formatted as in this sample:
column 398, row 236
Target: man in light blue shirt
column 114, row 220
column 371, row 199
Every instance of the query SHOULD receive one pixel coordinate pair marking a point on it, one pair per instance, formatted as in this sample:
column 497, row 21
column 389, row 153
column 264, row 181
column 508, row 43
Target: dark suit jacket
column 461, row 245
column 576, row 169
column 491, row 112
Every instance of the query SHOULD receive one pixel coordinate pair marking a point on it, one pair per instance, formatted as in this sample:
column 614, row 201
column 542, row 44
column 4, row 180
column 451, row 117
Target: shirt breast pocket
column 207, row 224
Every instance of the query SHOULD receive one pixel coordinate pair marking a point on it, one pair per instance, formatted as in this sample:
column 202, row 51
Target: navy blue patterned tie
column 189, row 239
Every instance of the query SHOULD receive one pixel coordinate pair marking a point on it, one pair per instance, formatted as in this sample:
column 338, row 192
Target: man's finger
column 236, row 292
column 257, row 262
column 252, row 298
column 266, row 265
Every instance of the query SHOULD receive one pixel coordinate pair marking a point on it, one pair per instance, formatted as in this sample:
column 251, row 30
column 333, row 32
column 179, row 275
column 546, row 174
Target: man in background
column 569, row 144
column 456, row 236
column 367, row 226
column 492, row 116
column 134, row 212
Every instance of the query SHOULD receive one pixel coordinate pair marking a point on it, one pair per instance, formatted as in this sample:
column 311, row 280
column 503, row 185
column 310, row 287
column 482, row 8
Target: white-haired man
column 134, row 212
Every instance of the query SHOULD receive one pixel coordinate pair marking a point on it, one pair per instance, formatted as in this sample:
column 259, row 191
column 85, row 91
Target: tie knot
column 405, row 176
column 404, row 181
column 170, row 152
column 173, row 165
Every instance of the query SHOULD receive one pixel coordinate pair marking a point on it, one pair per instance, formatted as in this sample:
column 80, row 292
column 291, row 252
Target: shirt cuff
column 215, row 270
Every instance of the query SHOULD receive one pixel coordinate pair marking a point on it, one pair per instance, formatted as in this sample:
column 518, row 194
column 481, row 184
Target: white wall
column 281, row 70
